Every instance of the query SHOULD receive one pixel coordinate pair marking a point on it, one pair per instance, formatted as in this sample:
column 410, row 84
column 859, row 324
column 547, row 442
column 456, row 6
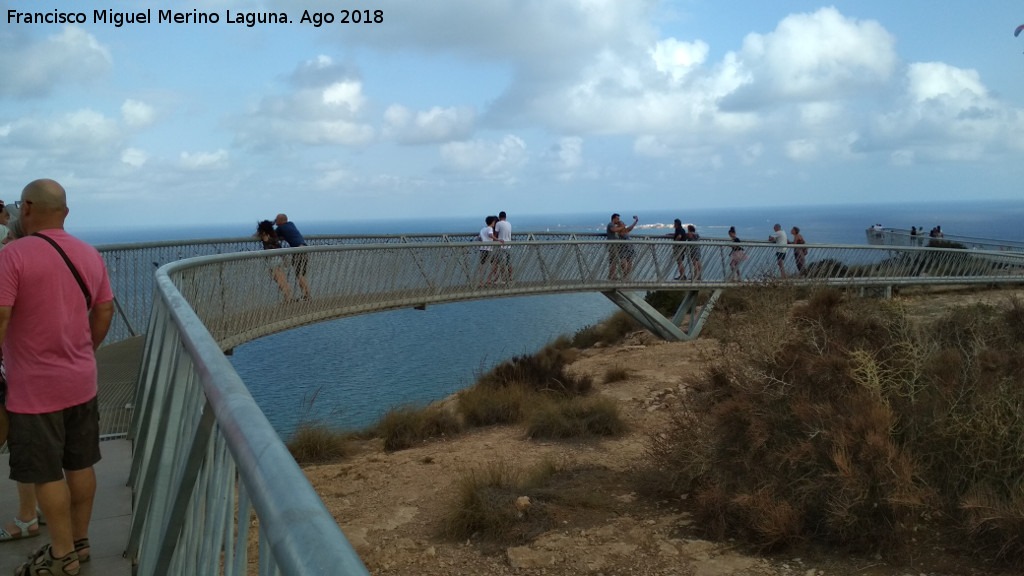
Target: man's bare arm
column 5, row 318
column 99, row 321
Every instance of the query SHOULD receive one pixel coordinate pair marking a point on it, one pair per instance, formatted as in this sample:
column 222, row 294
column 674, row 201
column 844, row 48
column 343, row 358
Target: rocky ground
column 390, row 505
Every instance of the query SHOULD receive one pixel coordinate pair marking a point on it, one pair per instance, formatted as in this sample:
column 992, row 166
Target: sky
column 468, row 107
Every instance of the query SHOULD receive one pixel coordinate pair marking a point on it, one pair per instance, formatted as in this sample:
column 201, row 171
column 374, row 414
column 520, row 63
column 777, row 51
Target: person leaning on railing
column 620, row 256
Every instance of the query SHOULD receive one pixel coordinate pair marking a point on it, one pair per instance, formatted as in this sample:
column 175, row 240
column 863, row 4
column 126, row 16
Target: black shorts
column 485, row 255
column 780, row 256
column 42, row 446
column 301, row 263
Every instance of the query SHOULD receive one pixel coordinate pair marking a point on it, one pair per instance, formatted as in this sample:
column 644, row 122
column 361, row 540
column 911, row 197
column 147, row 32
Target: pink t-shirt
column 48, row 346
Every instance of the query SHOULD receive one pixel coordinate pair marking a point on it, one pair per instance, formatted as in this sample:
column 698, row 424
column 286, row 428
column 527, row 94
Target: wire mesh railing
column 207, row 459
column 902, row 237
column 215, row 489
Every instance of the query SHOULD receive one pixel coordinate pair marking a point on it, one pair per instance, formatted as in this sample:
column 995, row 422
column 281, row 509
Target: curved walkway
column 202, row 444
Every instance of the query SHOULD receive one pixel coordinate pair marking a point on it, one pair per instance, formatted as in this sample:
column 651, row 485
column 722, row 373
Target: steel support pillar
column 662, row 327
column 697, row 319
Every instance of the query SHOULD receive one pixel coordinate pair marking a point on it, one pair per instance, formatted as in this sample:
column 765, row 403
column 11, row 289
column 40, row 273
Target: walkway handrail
column 197, row 427
column 131, row 265
column 903, row 237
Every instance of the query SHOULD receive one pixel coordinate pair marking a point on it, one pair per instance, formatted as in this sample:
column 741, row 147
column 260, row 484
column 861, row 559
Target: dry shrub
column 575, row 418
column 485, row 506
column 406, row 426
column 318, row 443
column 854, row 423
column 782, row 441
column 615, row 374
column 610, row 331
column 488, row 405
column 541, row 372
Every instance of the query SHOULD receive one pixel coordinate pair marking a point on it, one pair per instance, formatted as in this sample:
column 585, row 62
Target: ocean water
column 351, row 371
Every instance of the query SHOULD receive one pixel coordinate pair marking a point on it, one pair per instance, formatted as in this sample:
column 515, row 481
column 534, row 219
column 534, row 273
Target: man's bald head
column 45, row 194
column 44, row 205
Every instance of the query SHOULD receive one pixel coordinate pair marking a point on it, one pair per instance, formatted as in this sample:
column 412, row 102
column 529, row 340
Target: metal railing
column 206, row 456
column 901, row 237
column 131, row 266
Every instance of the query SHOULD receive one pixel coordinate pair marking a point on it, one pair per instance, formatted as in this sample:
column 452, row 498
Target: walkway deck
column 111, row 516
column 118, row 366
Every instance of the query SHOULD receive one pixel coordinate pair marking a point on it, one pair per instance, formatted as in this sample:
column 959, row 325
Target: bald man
column 51, row 321
column 287, row 231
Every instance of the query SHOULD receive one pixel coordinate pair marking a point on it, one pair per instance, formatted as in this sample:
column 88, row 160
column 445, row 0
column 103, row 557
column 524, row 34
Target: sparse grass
column 487, row 405
column 575, row 418
column 853, row 425
column 615, row 374
column 608, row 332
column 485, row 504
column 485, row 507
column 406, row 426
column 313, row 440
column 318, row 443
column 541, row 372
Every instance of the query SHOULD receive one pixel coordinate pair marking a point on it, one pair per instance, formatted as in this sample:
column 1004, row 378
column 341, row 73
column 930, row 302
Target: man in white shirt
column 780, row 239
column 503, row 229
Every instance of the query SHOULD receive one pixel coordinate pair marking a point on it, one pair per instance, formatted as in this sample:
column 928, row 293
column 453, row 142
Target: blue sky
column 467, row 107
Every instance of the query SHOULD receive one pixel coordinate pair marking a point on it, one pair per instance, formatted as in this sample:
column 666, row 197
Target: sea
column 348, row 373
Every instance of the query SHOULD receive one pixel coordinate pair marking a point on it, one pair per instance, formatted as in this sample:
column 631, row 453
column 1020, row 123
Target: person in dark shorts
column 678, row 250
column 778, row 237
column 737, row 256
column 55, row 309
column 287, row 231
column 799, row 253
column 620, row 256
column 693, row 252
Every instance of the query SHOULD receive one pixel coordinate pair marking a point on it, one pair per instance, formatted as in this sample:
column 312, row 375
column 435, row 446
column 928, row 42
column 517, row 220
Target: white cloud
column 801, row 150
column 677, row 59
column 489, row 160
column 31, row 69
column 323, row 108
column 345, row 93
column 204, row 160
column 945, row 114
column 137, row 113
column 84, row 134
column 935, row 80
column 430, row 126
column 134, row 157
column 565, row 158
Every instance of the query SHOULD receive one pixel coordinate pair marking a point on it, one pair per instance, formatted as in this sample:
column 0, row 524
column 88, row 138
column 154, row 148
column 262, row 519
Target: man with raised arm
column 55, row 309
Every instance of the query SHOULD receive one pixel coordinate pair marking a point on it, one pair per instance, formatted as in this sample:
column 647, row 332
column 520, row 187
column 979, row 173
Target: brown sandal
column 44, row 564
column 81, row 546
column 83, row 549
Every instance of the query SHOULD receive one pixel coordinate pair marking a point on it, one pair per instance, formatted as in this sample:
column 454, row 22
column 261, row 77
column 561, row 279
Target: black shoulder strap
column 78, row 277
